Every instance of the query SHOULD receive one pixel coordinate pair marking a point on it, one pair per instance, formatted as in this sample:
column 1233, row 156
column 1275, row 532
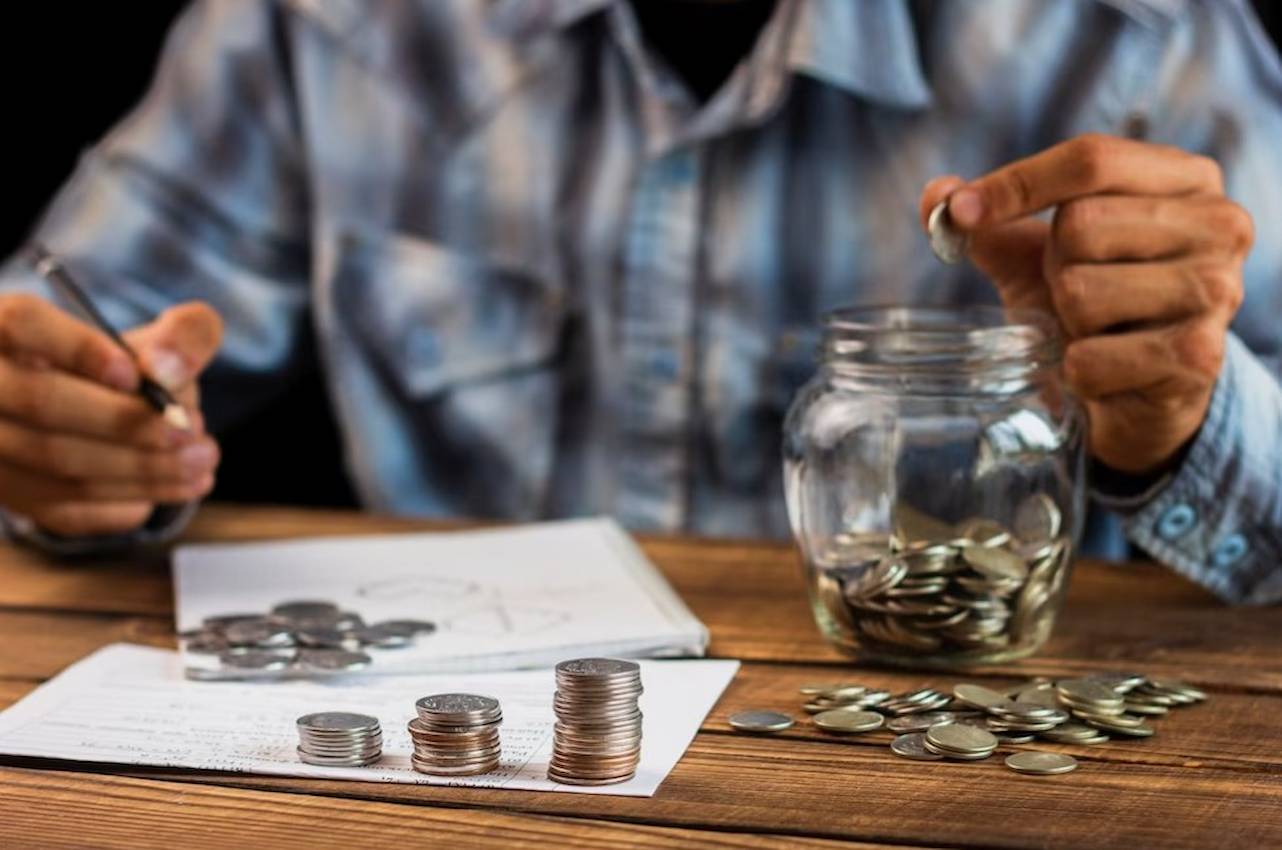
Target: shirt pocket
column 433, row 318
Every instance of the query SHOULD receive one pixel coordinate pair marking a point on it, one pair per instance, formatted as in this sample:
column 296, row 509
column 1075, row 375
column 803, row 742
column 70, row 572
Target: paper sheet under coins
column 130, row 705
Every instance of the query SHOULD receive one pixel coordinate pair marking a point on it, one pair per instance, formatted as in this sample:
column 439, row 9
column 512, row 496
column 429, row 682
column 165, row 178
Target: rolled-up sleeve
column 1218, row 520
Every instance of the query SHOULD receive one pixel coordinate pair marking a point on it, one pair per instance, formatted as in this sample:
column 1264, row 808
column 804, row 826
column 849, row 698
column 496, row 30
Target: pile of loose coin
column 339, row 739
column 456, row 735
column 597, row 736
column 304, row 638
column 972, row 722
column 931, row 588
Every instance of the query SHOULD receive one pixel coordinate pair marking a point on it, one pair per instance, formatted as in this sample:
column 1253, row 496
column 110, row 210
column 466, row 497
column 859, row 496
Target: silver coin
column 409, row 628
column 326, row 638
column 256, row 659
column 602, row 667
column 947, row 242
column 961, row 738
column 757, row 720
column 457, row 707
column 373, row 636
column 1040, row 763
column 333, row 660
column 842, row 720
column 996, row 563
column 919, row 722
column 979, row 696
column 343, row 721
column 305, row 609
column 259, row 632
column 913, row 746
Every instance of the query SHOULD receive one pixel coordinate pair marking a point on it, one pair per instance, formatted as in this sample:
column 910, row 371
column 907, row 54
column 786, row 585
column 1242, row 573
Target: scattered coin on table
column 1040, row 763
column 758, row 720
column 307, row 638
column 972, row 721
column 841, row 720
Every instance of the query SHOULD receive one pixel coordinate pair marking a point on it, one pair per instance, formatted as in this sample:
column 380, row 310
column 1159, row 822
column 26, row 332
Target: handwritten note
column 129, row 704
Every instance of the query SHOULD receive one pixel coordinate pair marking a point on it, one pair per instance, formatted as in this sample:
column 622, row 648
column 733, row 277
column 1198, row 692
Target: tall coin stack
column 597, row 737
column 339, row 739
column 456, row 735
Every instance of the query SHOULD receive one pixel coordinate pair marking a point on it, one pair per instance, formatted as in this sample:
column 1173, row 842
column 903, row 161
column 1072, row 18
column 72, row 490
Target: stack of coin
column 456, row 735
column 297, row 639
column 971, row 591
column 339, row 739
column 960, row 741
column 597, row 737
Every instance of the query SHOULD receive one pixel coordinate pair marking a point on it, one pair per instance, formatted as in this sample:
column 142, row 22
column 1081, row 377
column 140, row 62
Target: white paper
column 129, row 704
column 502, row 599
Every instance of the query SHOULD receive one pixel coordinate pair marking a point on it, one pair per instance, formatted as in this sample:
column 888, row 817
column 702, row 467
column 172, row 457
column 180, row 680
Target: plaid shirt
column 546, row 282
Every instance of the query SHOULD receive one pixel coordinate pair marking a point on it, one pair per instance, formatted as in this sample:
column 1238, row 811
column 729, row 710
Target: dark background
column 70, row 69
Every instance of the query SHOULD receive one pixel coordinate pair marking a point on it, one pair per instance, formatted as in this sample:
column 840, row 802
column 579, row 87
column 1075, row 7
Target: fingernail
column 966, row 207
column 196, row 459
column 120, row 374
column 167, row 368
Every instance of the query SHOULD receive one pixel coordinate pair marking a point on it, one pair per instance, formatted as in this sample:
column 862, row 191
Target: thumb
column 1010, row 255
column 176, row 347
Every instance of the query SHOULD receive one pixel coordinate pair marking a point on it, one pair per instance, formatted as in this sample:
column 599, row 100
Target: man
column 554, row 268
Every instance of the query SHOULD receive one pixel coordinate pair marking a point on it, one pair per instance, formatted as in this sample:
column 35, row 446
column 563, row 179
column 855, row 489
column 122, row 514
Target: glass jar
column 934, row 469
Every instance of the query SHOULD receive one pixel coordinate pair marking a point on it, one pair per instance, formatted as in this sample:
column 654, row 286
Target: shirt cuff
column 1216, row 519
column 165, row 523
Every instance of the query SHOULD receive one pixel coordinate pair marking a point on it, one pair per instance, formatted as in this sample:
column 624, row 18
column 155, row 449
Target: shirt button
column 1177, row 521
column 1229, row 550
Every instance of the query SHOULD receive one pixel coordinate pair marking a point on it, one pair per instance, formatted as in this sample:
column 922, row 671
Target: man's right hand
column 80, row 452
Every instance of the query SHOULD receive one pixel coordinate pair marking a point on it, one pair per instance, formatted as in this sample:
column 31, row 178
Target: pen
column 48, row 267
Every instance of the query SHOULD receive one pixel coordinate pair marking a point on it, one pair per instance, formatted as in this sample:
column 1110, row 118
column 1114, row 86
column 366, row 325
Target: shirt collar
column 867, row 48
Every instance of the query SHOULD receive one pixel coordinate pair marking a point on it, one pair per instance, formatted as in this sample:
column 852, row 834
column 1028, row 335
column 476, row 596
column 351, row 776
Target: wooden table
column 1211, row 777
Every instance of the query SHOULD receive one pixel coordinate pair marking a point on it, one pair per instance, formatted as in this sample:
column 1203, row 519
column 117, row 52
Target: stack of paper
column 501, row 599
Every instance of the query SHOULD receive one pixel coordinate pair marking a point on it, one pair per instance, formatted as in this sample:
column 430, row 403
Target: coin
column 961, row 738
column 979, row 696
column 339, row 739
column 919, row 722
column 842, row 720
column 1041, row 763
column 409, row 628
column 946, row 241
column 305, row 609
column 312, row 624
column 456, row 734
column 759, row 720
column 913, row 746
column 335, row 660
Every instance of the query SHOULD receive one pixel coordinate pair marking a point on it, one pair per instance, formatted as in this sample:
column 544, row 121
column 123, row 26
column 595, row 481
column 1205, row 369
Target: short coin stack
column 597, row 737
column 456, row 735
column 339, row 739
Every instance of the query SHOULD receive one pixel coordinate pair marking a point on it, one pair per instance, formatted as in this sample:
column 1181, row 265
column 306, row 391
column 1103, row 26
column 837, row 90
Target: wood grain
column 830, row 790
column 1212, row 776
column 64, row 809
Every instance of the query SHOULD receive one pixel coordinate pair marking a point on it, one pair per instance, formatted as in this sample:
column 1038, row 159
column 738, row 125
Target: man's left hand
column 1142, row 265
